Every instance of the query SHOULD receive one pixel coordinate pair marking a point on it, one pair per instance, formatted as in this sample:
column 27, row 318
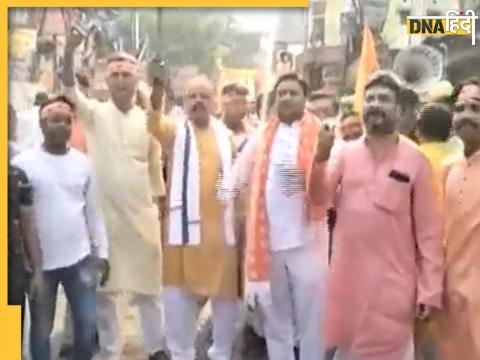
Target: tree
column 189, row 36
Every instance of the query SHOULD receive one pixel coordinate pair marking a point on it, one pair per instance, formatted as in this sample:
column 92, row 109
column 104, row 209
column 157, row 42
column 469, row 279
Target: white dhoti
column 181, row 315
column 297, row 280
column 109, row 328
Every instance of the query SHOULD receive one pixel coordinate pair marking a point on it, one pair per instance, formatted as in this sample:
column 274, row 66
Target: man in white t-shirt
column 68, row 223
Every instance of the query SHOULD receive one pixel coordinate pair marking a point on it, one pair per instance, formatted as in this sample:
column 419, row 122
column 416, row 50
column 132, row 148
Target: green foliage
column 185, row 36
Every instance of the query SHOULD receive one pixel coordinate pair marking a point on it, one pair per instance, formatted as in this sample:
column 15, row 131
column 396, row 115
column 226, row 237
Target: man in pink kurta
column 387, row 264
column 459, row 322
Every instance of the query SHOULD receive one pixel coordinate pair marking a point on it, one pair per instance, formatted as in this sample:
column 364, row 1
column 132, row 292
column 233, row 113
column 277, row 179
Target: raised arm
column 428, row 227
column 155, row 165
column 161, row 127
column 327, row 171
column 83, row 104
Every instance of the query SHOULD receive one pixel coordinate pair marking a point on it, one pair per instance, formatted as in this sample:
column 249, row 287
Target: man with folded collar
column 459, row 322
column 387, row 264
column 235, row 110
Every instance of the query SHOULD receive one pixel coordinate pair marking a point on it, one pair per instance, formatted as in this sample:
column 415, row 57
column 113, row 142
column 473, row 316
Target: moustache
column 460, row 124
column 198, row 106
column 285, row 103
column 375, row 115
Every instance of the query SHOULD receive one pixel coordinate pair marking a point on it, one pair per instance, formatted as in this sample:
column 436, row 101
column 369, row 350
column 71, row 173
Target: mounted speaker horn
column 420, row 67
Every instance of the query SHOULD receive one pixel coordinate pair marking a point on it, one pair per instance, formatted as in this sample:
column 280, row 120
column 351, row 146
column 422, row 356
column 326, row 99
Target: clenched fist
column 74, row 39
column 325, row 142
column 158, row 92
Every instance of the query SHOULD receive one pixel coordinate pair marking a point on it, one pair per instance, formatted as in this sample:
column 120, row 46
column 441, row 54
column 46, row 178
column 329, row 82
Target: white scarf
column 184, row 207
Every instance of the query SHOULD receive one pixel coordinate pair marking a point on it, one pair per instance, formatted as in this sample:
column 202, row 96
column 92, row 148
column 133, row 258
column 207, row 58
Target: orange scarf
column 257, row 228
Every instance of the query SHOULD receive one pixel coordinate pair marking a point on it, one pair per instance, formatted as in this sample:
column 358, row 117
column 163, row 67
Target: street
column 248, row 347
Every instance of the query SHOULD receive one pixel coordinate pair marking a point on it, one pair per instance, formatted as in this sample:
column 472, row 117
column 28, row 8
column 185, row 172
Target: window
column 318, row 31
column 318, row 7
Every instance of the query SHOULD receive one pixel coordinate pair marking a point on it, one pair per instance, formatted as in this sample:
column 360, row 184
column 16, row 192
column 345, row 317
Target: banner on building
column 245, row 77
column 22, row 43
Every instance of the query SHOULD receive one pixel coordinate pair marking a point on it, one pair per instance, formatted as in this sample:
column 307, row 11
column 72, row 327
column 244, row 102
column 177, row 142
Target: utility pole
column 136, row 25
column 306, row 18
column 159, row 26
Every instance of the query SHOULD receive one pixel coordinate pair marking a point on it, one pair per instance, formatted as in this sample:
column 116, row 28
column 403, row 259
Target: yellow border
column 10, row 315
column 163, row 3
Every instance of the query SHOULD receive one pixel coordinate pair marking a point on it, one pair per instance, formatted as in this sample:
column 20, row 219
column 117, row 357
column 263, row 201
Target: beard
column 288, row 112
column 467, row 129
column 198, row 106
column 57, row 136
column 377, row 122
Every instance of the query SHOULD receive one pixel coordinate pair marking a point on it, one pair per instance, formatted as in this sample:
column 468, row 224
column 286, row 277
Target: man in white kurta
column 289, row 286
column 127, row 165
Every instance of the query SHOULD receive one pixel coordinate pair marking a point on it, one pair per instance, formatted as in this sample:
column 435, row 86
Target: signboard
column 22, row 43
column 455, row 22
column 245, row 77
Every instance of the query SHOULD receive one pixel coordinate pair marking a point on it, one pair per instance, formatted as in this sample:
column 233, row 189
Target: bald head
column 200, row 81
column 199, row 100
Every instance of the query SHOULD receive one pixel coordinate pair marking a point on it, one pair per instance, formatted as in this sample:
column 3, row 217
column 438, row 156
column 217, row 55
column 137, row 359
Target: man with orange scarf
column 285, row 264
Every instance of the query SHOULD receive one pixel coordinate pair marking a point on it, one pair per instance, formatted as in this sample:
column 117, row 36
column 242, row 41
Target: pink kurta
column 459, row 323
column 386, row 248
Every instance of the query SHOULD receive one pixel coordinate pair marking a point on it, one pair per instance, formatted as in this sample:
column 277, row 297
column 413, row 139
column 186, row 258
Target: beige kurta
column 127, row 165
column 210, row 269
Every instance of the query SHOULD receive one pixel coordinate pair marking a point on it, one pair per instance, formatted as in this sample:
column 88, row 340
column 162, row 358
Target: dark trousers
column 78, row 282
column 17, row 283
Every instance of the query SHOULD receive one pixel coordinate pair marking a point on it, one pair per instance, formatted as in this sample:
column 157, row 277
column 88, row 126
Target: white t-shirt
column 68, row 222
column 285, row 192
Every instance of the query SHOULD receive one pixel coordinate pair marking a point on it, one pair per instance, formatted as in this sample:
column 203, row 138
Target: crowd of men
column 342, row 238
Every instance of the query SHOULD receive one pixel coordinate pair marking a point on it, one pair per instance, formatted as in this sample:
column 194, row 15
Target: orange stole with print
column 257, row 227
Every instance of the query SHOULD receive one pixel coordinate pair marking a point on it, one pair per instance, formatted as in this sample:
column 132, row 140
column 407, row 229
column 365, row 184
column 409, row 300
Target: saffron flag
column 367, row 64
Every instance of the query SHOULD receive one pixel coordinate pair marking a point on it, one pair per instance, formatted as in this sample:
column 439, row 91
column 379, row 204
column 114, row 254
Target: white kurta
column 298, row 257
column 127, row 165
column 285, row 193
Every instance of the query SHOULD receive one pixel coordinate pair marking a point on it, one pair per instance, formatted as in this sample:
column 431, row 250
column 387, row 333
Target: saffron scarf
column 257, row 252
